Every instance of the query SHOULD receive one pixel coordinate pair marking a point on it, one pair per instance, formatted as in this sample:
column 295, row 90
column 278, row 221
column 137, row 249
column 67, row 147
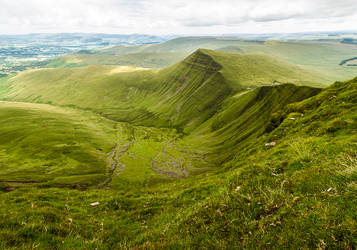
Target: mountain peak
column 202, row 59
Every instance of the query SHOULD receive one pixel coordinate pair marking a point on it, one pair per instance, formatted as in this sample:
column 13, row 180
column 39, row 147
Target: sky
column 167, row 17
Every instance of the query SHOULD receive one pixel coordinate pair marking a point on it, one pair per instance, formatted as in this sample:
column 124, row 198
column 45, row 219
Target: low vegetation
column 218, row 151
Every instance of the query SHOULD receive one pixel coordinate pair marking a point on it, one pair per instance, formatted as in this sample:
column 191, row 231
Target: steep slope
column 300, row 193
column 245, row 117
column 190, row 91
column 187, row 93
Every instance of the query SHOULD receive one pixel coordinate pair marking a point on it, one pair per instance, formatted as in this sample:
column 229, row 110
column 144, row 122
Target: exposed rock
column 270, row 144
column 94, row 204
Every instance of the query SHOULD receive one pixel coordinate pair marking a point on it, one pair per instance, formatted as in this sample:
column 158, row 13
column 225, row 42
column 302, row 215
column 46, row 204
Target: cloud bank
column 176, row 16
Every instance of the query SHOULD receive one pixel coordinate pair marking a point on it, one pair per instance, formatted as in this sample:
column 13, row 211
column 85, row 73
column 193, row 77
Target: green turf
column 40, row 143
column 300, row 193
column 51, row 146
column 177, row 158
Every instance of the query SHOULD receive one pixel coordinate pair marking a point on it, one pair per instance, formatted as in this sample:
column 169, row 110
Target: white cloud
column 176, row 16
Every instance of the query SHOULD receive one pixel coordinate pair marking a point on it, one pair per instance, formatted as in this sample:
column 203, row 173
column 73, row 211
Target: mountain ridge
column 172, row 96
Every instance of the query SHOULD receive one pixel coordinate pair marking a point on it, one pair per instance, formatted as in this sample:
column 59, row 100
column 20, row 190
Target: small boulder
column 270, row 144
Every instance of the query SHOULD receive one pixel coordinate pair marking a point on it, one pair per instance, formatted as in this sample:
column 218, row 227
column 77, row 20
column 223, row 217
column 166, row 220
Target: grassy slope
column 184, row 94
column 145, row 60
column 260, row 70
column 42, row 143
column 50, row 146
column 299, row 194
column 243, row 118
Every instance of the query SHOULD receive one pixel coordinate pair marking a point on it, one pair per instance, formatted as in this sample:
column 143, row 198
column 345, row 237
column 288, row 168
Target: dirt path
column 9, row 186
column 114, row 161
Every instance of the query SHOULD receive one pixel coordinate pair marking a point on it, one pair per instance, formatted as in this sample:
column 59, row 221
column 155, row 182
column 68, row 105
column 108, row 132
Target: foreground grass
column 299, row 202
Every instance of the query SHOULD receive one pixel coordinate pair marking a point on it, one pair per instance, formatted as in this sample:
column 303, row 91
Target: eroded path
column 9, row 186
column 115, row 163
column 169, row 165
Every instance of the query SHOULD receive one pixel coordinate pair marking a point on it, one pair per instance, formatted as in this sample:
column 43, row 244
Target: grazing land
column 245, row 143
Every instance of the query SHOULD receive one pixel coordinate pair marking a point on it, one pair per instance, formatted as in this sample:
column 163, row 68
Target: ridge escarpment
column 182, row 96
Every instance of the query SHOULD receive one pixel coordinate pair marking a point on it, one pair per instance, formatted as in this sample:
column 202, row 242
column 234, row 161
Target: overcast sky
column 176, row 16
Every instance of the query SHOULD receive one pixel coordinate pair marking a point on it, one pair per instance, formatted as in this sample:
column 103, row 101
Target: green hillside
column 65, row 147
column 43, row 143
column 299, row 192
column 245, row 117
column 220, row 150
column 187, row 93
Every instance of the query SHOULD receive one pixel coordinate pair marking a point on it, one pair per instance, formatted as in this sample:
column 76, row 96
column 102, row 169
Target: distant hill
column 349, row 41
column 323, row 57
column 145, row 60
column 182, row 44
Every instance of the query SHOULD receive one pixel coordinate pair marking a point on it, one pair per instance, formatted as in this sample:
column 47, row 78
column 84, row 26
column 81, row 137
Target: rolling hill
column 323, row 57
column 43, row 143
column 145, row 60
column 181, row 44
column 186, row 93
